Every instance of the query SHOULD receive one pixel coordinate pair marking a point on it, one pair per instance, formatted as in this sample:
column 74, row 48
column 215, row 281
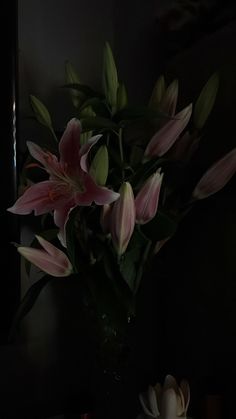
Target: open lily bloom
column 69, row 184
column 168, row 402
column 49, row 259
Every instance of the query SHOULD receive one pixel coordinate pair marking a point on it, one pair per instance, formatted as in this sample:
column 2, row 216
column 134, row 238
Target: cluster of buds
column 120, row 218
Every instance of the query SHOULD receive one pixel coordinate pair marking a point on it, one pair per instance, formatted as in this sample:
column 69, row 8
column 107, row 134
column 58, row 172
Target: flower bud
column 163, row 140
column 99, row 166
column 49, row 259
column 157, row 93
column 146, row 201
column 205, row 101
column 122, row 98
column 217, row 176
column 169, row 100
column 72, row 77
column 123, row 218
column 110, row 78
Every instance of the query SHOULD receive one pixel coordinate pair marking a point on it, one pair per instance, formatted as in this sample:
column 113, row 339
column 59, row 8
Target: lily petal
column 94, row 193
column 69, row 146
column 169, row 404
column 145, row 402
column 85, row 149
column 48, row 160
column 50, row 260
column 41, row 198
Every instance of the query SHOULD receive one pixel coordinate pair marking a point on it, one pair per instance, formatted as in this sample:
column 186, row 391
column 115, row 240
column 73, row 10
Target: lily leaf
column 160, row 227
column 95, row 122
column 71, row 238
column 27, row 303
column 41, row 112
column 82, row 88
column 132, row 262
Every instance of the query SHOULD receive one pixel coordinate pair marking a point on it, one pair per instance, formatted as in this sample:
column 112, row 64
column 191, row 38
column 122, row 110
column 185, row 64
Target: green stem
column 121, row 152
column 54, row 135
column 142, row 263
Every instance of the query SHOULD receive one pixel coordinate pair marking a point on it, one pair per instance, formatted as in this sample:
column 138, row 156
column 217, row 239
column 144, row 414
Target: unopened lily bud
column 217, row 176
column 205, row 101
column 123, row 218
column 122, row 98
column 184, row 148
column 157, row 93
column 99, row 166
column 146, row 201
column 72, row 77
column 163, row 140
column 169, row 100
column 49, row 259
column 110, row 78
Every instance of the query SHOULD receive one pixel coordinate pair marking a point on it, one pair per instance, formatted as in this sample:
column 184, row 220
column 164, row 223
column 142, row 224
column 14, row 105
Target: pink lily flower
column 123, row 218
column 163, row 140
column 69, row 184
column 217, row 176
column 49, row 259
column 146, row 201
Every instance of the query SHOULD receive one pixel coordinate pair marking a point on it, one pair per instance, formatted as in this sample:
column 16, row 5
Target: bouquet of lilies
column 116, row 181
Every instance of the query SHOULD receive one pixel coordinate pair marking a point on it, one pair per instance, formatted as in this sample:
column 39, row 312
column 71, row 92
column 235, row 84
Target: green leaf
column 132, row 262
column 91, row 123
column 109, row 77
column 41, row 112
column 145, row 170
column 27, row 303
column 83, row 88
column 72, row 240
column 160, row 227
column 205, row 101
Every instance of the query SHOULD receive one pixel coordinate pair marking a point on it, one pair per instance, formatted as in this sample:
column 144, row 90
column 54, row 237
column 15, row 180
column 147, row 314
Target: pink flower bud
column 163, row 140
column 184, row 148
column 49, row 259
column 123, row 218
column 146, row 202
column 217, row 176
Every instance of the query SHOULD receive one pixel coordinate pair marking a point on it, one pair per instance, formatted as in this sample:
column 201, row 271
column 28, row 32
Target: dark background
column 186, row 324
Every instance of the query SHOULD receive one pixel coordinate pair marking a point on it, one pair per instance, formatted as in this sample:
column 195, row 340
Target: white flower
column 168, row 402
